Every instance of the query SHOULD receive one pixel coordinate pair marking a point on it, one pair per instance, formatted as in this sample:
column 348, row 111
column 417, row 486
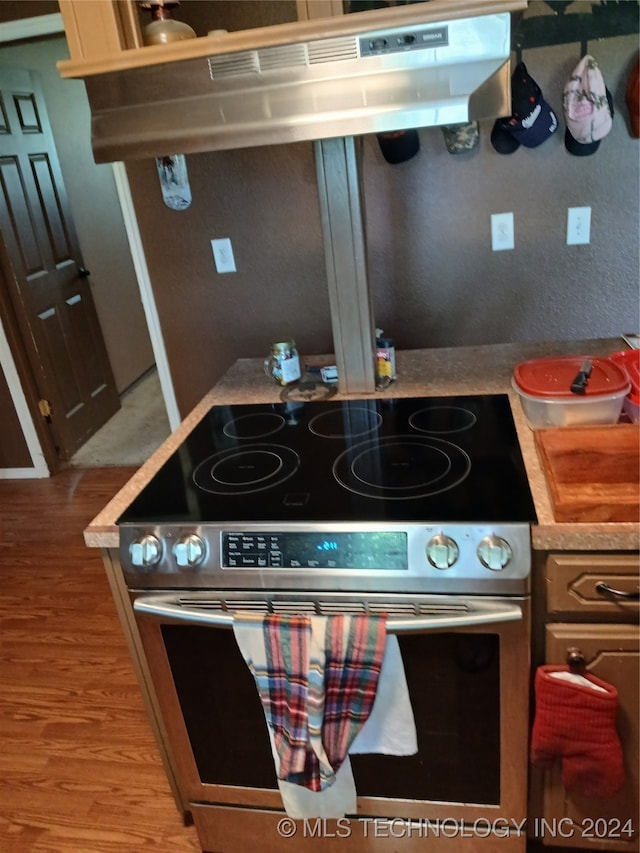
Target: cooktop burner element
column 442, row 419
column 401, row 468
column 336, row 423
column 254, row 425
column 251, row 468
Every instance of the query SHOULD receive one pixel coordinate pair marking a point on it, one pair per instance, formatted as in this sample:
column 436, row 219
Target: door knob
column 83, row 273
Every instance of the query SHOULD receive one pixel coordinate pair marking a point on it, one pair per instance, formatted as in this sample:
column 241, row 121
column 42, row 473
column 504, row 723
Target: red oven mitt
column 575, row 722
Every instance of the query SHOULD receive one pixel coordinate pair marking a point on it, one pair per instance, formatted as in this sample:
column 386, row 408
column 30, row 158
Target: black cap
column 399, row 145
column 502, row 140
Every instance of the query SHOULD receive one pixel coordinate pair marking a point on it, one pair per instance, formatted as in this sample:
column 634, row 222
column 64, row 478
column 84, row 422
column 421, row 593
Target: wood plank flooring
column 79, row 768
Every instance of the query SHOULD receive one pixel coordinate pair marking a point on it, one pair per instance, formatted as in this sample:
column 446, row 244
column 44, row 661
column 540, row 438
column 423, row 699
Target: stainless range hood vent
column 332, row 50
column 417, row 75
column 286, row 57
column 274, row 58
column 233, row 64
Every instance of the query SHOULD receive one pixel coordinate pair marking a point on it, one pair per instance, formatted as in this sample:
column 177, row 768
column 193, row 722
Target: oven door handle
column 478, row 613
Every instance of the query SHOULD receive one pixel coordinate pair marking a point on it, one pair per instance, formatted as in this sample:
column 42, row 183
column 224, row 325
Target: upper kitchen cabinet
column 105, row 28
column 94, row 28
column 106, row 35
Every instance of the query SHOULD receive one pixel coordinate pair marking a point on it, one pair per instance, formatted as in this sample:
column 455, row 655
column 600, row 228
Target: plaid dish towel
column 354, row 649
column 317, row 679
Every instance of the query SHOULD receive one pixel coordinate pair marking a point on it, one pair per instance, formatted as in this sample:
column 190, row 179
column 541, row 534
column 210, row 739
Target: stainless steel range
column 414, row 507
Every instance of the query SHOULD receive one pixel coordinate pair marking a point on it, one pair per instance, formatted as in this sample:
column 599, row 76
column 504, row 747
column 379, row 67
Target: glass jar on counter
column 283, row 362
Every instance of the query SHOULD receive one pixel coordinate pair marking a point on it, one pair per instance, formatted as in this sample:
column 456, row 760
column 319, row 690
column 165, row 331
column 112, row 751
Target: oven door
column 467, row 666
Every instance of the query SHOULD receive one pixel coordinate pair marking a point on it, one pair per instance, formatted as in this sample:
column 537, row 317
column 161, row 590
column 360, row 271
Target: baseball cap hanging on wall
column 461, row 137
column 532, row 121
column 588, row 108
column 399, row 145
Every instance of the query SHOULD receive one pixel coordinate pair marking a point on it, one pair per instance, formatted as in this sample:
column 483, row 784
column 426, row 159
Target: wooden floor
column 79, row 769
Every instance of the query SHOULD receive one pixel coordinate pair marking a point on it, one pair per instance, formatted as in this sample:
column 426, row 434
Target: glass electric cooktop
column 389, row 459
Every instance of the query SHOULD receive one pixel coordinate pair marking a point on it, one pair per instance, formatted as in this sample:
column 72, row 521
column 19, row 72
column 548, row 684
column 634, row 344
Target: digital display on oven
column 367, row 551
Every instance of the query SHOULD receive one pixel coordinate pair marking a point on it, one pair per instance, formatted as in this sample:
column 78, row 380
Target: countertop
column 425, row 372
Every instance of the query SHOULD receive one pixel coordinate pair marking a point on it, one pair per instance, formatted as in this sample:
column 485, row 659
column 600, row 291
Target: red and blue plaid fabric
column 284, row 692
column 316, row 697
column 351, row 681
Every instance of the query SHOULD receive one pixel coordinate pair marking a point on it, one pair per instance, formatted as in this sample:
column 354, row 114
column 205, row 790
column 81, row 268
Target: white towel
column 391, row 728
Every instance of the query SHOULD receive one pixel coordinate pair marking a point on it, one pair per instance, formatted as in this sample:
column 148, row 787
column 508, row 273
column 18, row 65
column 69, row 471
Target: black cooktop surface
column 404, row 459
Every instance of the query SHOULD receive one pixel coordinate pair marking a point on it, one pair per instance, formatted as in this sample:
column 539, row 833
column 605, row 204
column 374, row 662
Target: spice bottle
column 385, row 359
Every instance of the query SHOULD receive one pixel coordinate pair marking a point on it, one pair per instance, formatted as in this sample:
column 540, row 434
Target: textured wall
column 435, row 280
column 265, row 200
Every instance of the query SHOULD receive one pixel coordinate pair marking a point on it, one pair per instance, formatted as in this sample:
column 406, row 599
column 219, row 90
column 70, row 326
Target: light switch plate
column 223, row 255
column 578, row 226
column 502, row 231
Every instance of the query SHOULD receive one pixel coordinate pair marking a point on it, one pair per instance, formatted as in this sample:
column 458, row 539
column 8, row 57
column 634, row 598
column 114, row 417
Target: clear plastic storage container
column 544, row 386
column 629, row 359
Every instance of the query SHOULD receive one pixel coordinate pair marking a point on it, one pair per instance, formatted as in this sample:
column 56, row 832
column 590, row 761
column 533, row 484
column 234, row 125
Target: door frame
column 36, row 441
column 146, row 292
column 12, row 356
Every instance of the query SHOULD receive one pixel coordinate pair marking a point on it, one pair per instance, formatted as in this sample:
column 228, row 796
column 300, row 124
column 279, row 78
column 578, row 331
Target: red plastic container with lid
column 629, row 359
column 545, row 388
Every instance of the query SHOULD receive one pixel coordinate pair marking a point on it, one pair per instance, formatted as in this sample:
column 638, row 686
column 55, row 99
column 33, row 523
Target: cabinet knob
column 575, row 658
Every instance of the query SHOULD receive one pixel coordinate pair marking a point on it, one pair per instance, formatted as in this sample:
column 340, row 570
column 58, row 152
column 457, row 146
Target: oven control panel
column 361, row 551
column 440, row 558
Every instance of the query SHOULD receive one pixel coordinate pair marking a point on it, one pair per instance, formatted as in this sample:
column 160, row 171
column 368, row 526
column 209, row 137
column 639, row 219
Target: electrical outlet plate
column 223, row 255
column 578, row 226
column 502, row 231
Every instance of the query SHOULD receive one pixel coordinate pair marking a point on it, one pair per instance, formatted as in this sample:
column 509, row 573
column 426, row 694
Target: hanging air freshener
column 174, row 181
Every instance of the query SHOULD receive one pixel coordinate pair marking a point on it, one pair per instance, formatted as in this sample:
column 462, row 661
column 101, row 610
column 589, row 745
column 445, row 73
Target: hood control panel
column 397, row 41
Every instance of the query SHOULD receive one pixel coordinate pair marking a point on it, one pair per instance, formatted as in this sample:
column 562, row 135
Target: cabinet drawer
column 573, row 586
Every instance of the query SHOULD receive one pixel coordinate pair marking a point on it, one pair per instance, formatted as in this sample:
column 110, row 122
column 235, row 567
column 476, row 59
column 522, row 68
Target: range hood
column 358, row 74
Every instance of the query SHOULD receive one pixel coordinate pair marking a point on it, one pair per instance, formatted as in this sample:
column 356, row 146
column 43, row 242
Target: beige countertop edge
column 440, row 372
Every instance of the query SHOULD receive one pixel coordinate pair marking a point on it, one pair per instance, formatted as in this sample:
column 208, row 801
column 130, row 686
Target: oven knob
column 145, row 551
column 189, row 551
column 442, row 551
column 494, row 553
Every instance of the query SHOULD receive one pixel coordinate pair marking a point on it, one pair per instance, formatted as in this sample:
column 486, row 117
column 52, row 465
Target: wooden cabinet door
column 100, row 27
column 612, row 653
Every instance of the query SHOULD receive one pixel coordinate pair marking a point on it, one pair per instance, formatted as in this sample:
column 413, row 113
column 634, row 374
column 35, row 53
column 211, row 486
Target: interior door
column 48, row 285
